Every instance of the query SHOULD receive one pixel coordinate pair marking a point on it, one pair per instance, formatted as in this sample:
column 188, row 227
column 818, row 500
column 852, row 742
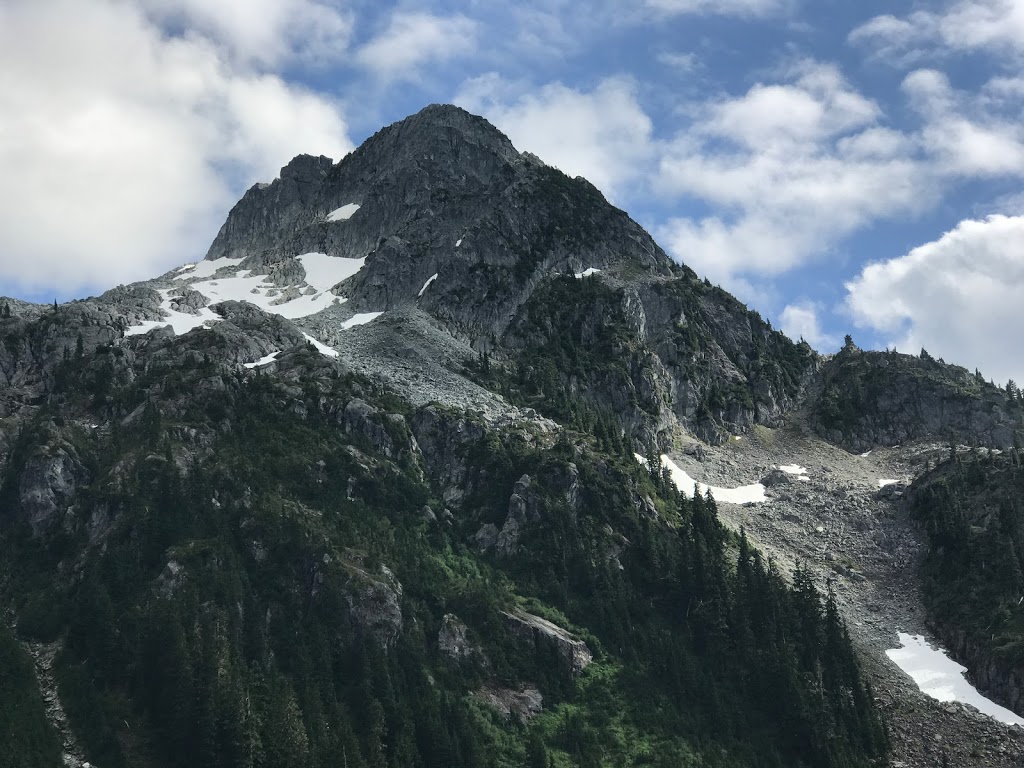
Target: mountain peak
column 304, row 168
column 440, row 127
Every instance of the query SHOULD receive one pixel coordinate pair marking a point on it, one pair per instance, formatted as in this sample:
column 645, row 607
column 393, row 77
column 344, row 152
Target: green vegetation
column 213, row 580
column 576, row 357
column 581, row 361
column 970, row 508
column 28, row 739
column 862, row 389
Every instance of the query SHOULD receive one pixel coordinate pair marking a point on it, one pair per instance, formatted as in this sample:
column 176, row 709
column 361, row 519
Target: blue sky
column 842, row 167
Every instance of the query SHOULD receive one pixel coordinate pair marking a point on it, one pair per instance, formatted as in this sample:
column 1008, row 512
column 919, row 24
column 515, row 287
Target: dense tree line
column 27, row 738
column 214, row 627
column 970, row 509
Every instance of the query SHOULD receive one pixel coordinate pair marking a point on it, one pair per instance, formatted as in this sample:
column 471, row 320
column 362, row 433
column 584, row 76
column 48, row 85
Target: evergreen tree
column 536, row 752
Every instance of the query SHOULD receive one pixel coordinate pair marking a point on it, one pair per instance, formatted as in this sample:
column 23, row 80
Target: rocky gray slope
column 484, row 240
column 473, row 248
column 444, row 197
column 846, row 529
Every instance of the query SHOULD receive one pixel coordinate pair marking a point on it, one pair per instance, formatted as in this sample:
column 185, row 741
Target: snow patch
column 793, row 469
column 942, row 678
column 322, row 348
column 587, row 272
column 458, row 242
column 323, row 272
column 205, row 268
column 426, row 285
column 263, row 360
column 361, row 318
column 745, row 494
column 883, row 483
column 344, row 213
column 865, row 454
column 180, row 322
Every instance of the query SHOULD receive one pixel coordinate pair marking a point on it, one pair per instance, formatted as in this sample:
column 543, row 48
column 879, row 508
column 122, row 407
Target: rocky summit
column 402, row 473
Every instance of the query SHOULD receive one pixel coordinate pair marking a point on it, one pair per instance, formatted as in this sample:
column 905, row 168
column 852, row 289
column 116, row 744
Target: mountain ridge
column 370, row 467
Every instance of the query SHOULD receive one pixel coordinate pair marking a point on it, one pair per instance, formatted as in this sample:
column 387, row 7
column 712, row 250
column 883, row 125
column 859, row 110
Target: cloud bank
column 124, row 146
column 958, row 297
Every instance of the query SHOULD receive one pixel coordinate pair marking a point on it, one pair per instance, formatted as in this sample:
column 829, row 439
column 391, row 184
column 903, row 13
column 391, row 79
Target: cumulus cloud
column 789, row 170
column 603, row 135
column 958, row 297
column 123, row 146
column 800, row 321
column 992, row 26
column 973, row 135
column 267, row 32
column 412, row 40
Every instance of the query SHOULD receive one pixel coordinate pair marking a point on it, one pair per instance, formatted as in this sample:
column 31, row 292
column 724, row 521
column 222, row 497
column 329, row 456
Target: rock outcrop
column 522, row 704
column 48, row 483
column 861, row 400
column 533, row 629
column 376, row 603
column 454, row 643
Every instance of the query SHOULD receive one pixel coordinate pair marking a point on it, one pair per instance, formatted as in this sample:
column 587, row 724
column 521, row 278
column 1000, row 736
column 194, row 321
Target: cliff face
column 969, row 509
column 864, row 399
column 446, row 224
column 453, row 221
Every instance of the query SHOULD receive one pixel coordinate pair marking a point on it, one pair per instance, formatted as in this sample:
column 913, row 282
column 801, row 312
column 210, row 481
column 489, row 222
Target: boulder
column 778, row 477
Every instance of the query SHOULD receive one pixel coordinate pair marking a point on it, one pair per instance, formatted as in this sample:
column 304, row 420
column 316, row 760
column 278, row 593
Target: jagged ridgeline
column 244, row 548
column 864, row 399
column 453, row 220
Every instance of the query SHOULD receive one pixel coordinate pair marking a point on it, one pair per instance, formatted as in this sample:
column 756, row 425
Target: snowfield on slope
column 745, row 494
column 263, row 360
column 344, row 213
column 323, row 272
column 180, row 322
column 942, row 678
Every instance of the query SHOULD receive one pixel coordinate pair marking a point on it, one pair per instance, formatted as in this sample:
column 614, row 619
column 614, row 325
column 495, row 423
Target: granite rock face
column 49, row 480
column 375, row 600
column 861, row 400
column 522, row 704
column 452, row 220
column 533, row 629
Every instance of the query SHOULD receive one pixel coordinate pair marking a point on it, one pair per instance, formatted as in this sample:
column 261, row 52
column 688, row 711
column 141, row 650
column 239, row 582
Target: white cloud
column 413, row 40
column 123, row 147
column 603, row 135
column 742, row 8
column 968, row 134
column 268, row 32
column 681, row 62
column 789, row 170
column 958, row 297
column 800, row 321
column 991, row 26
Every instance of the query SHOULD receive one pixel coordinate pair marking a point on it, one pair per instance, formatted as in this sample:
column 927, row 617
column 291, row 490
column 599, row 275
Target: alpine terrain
column 402, row 473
